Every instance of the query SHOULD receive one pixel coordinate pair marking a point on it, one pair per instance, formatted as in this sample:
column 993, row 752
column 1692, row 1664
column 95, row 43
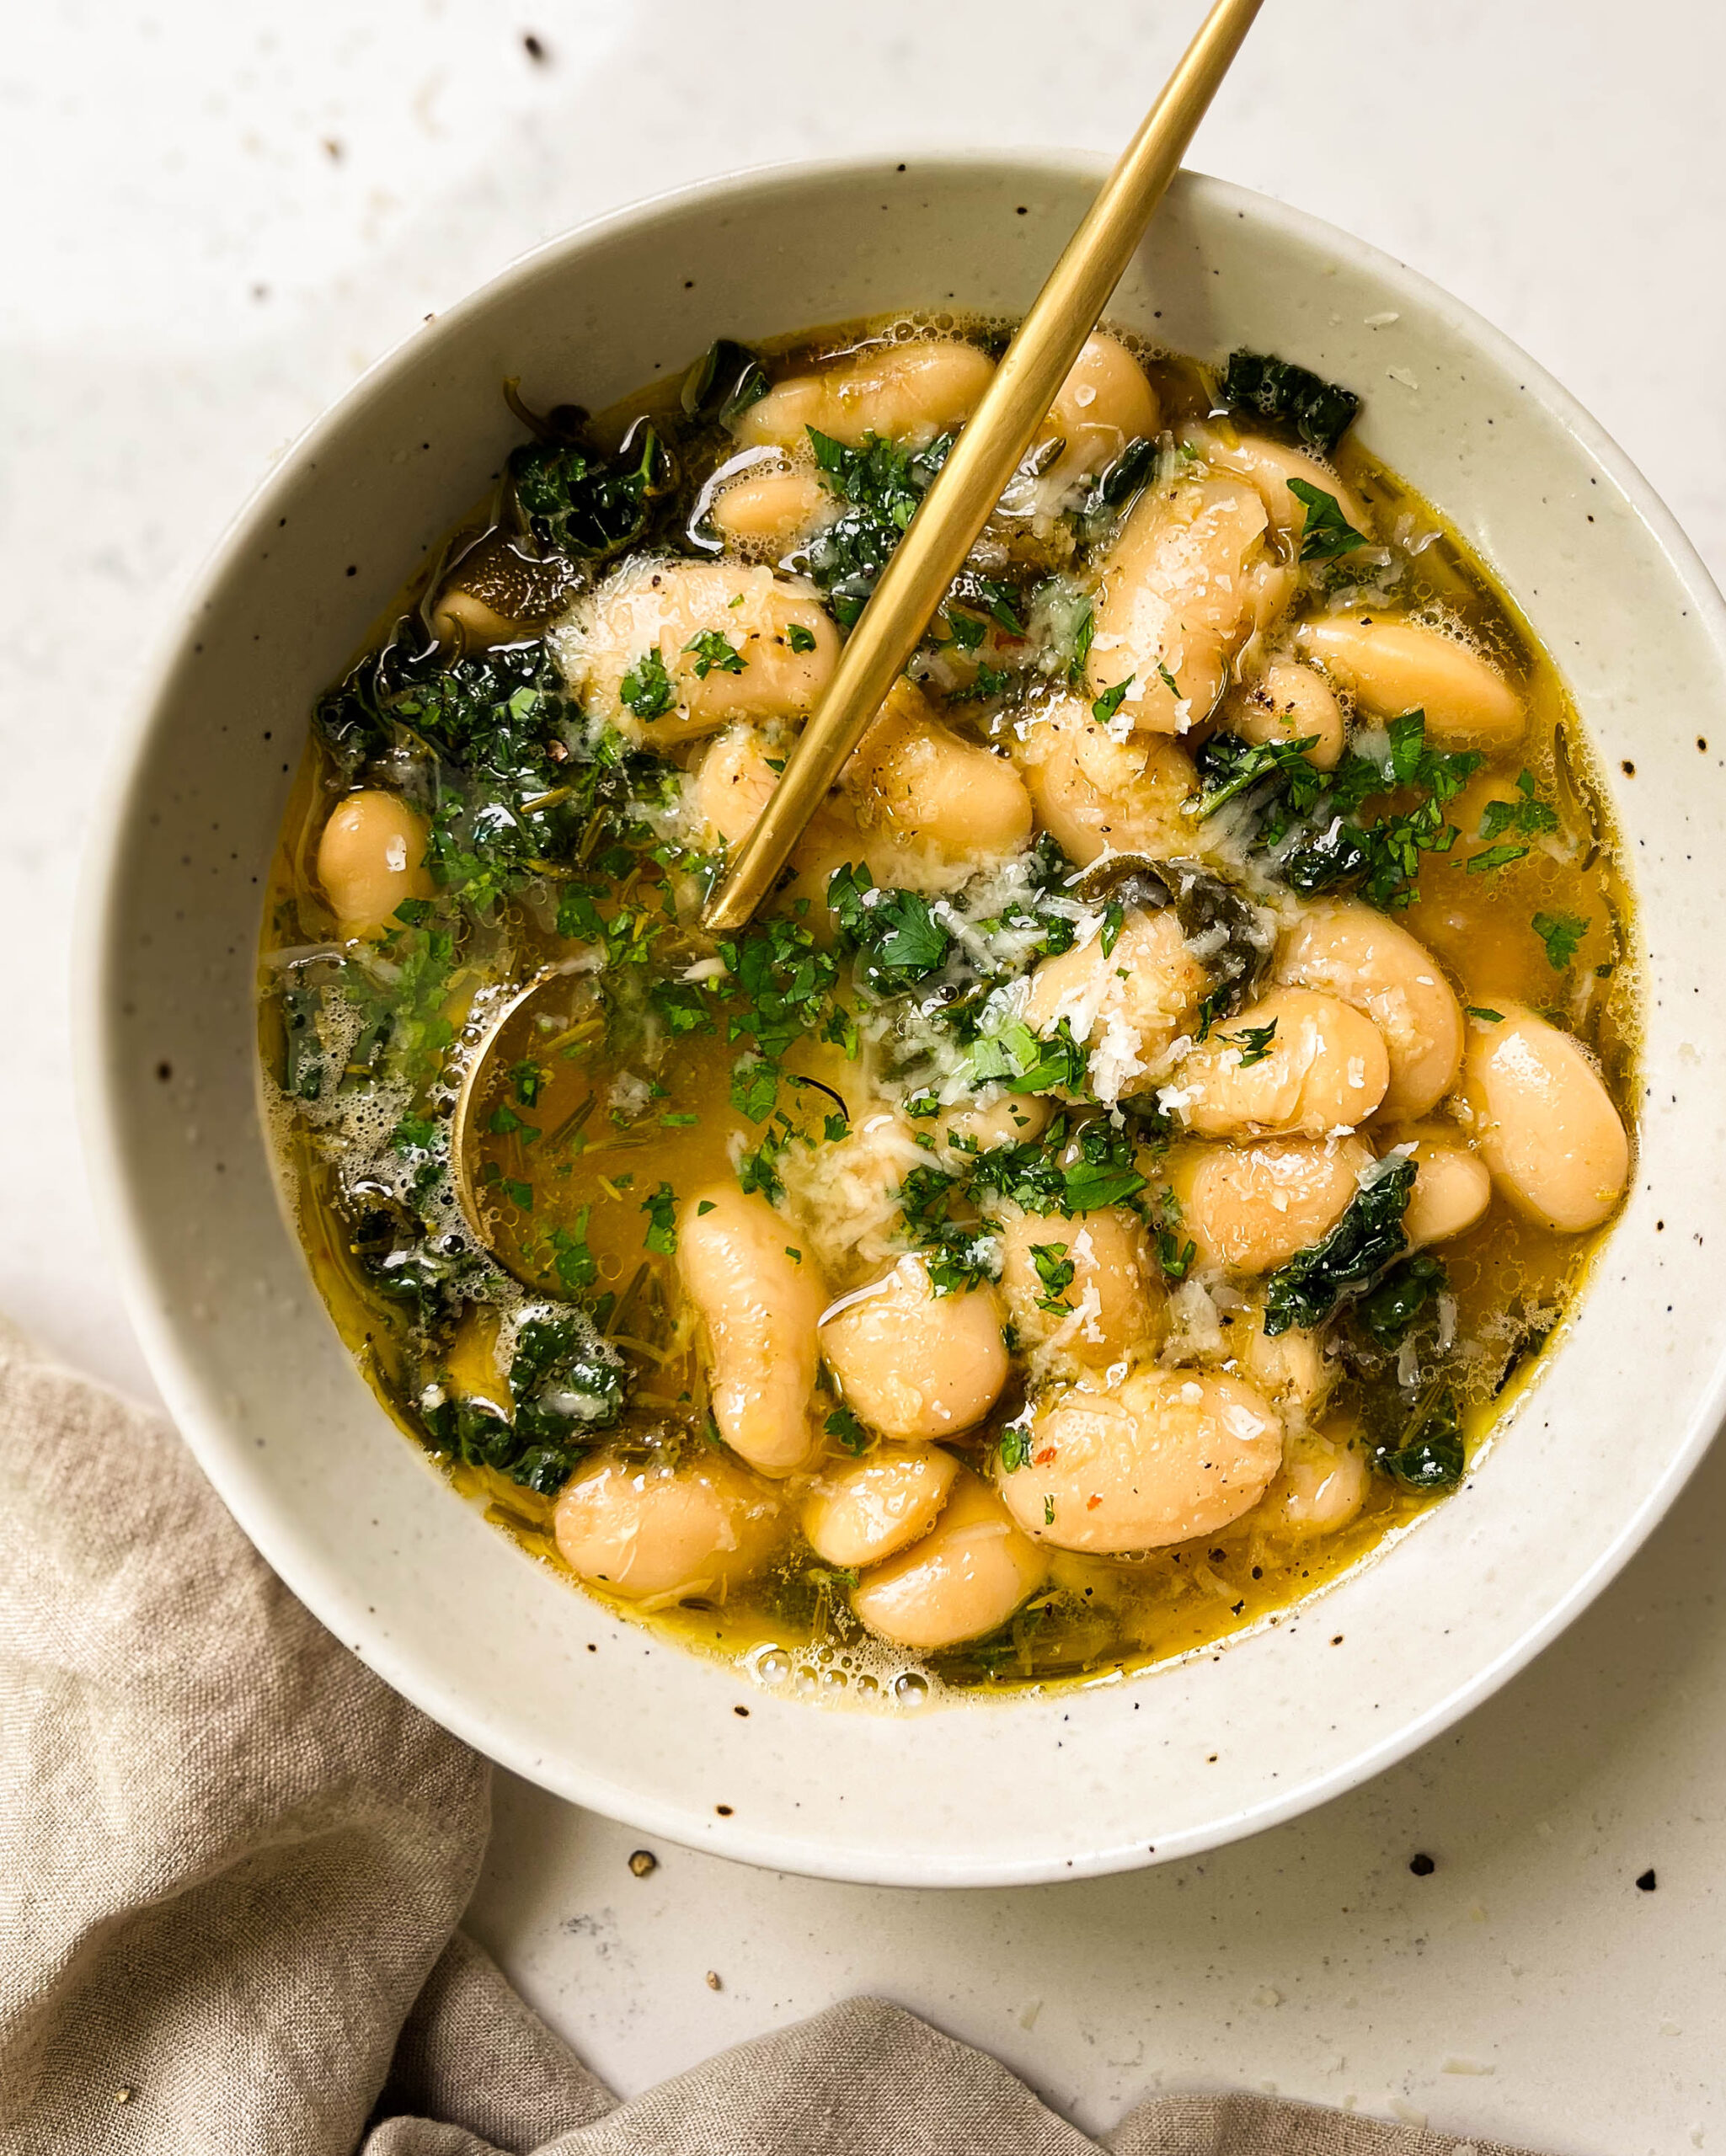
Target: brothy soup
column 1176, row 1089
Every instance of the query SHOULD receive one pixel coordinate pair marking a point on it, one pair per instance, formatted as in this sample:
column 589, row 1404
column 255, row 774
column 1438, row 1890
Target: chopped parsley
column 714, row 652
column 844, row 1426
column 661, row 1211
column 1254, row 1042
column 1111, row 699
column 1326, row 533
column 1528, row 813
column 646, row 688
column 880, row 487
column 1311, row 824
column 800, row 637
column 1562, row 933
column 1055, row 1273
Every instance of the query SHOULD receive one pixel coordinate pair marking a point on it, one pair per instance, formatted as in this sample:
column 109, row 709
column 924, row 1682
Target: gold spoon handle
column 983, row 459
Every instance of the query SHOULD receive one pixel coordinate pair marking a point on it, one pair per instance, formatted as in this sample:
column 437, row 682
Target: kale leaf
column 1391, row 1311
column 880, row 486
column 1428, row 1454
column 1310, row 823
column 576, row 502
column 1317, row 412
column 1370, row 1234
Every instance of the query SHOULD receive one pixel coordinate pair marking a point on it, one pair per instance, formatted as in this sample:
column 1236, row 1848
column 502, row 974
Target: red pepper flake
column 1092, row 1503
column 1042, row 1458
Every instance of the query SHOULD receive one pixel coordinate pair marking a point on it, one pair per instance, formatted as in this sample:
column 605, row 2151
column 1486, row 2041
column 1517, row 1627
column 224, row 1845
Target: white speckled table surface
column 221, row 214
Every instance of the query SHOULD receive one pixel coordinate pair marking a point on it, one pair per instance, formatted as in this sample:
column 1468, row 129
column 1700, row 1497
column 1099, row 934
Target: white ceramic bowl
column 347, row 1510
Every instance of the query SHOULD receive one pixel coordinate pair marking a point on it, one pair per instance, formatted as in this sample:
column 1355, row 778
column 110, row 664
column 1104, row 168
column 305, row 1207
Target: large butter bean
column 1544, row 1122
column 771, row 509
column 963, row 1578
column 666, row 606
column 1094, row 794
column 1290, row 1368
column 1268, row 466
column 1105, row 403
column 1394, row 665
column 1452, row 1189
column 1352, row 951
column 913, row 1364
column 1190, row 578
column 859, row 1511
column 1323, row 1070
column 936, row 807
column 1130, row 1003
column 1113, row 1304
column 1289, row 702
column 1249, row 1208
column 648, row 1532
column 1323, row 1484
column 759, row 1308
column 733, row 784
column 904, row 393
column 1163, row 1456
column 370, row 857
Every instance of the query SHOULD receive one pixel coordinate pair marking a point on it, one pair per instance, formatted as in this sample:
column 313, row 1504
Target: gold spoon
column 943, row 532
column 983, row 459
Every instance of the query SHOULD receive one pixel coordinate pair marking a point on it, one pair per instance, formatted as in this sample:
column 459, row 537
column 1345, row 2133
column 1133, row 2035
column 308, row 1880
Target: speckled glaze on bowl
column 350, row 1514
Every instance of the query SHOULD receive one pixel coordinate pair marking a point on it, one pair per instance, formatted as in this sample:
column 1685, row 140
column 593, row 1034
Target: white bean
column 1133, row 1002
column 1190, row 578
column 1452, row 1189
column 1323, row 1485
column 913, row 1364
column 963, row 1578
column 759, row 1308
column 858, row 1512
column 934, row 807
column 1105, row 403
column 1323, row 1070
column 653, row 1532
column 1162, row 1457
column 751, row 665
column 771, row 508
column 907, row 393
column 1268, row 466
column 1394, row 665
column 1111, row 1306
column 463, row 617
column 1289, row 701
column 370, row 857
column 733, row 784
column 1248, row 1209
column 1545, row 1123
column 1095, row 794
column 1289, row 1367
column 1352, row 951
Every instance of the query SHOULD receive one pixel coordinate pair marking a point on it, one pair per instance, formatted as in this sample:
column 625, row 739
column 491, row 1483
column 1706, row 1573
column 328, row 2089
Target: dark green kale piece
column 575, row 501
column 1315, row 412
column 1367, row 1239
column 880, row 487
column 1311, row 822
column 1427, row 1453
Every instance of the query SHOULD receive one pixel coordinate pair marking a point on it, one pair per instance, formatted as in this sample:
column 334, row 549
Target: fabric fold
column 232, row 1863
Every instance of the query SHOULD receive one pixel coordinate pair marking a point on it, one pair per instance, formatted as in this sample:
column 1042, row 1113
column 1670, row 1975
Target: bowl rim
column 97, row 1082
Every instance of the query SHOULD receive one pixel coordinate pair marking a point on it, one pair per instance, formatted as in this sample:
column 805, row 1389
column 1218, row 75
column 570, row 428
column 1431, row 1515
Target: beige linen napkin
column 233, row 1862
